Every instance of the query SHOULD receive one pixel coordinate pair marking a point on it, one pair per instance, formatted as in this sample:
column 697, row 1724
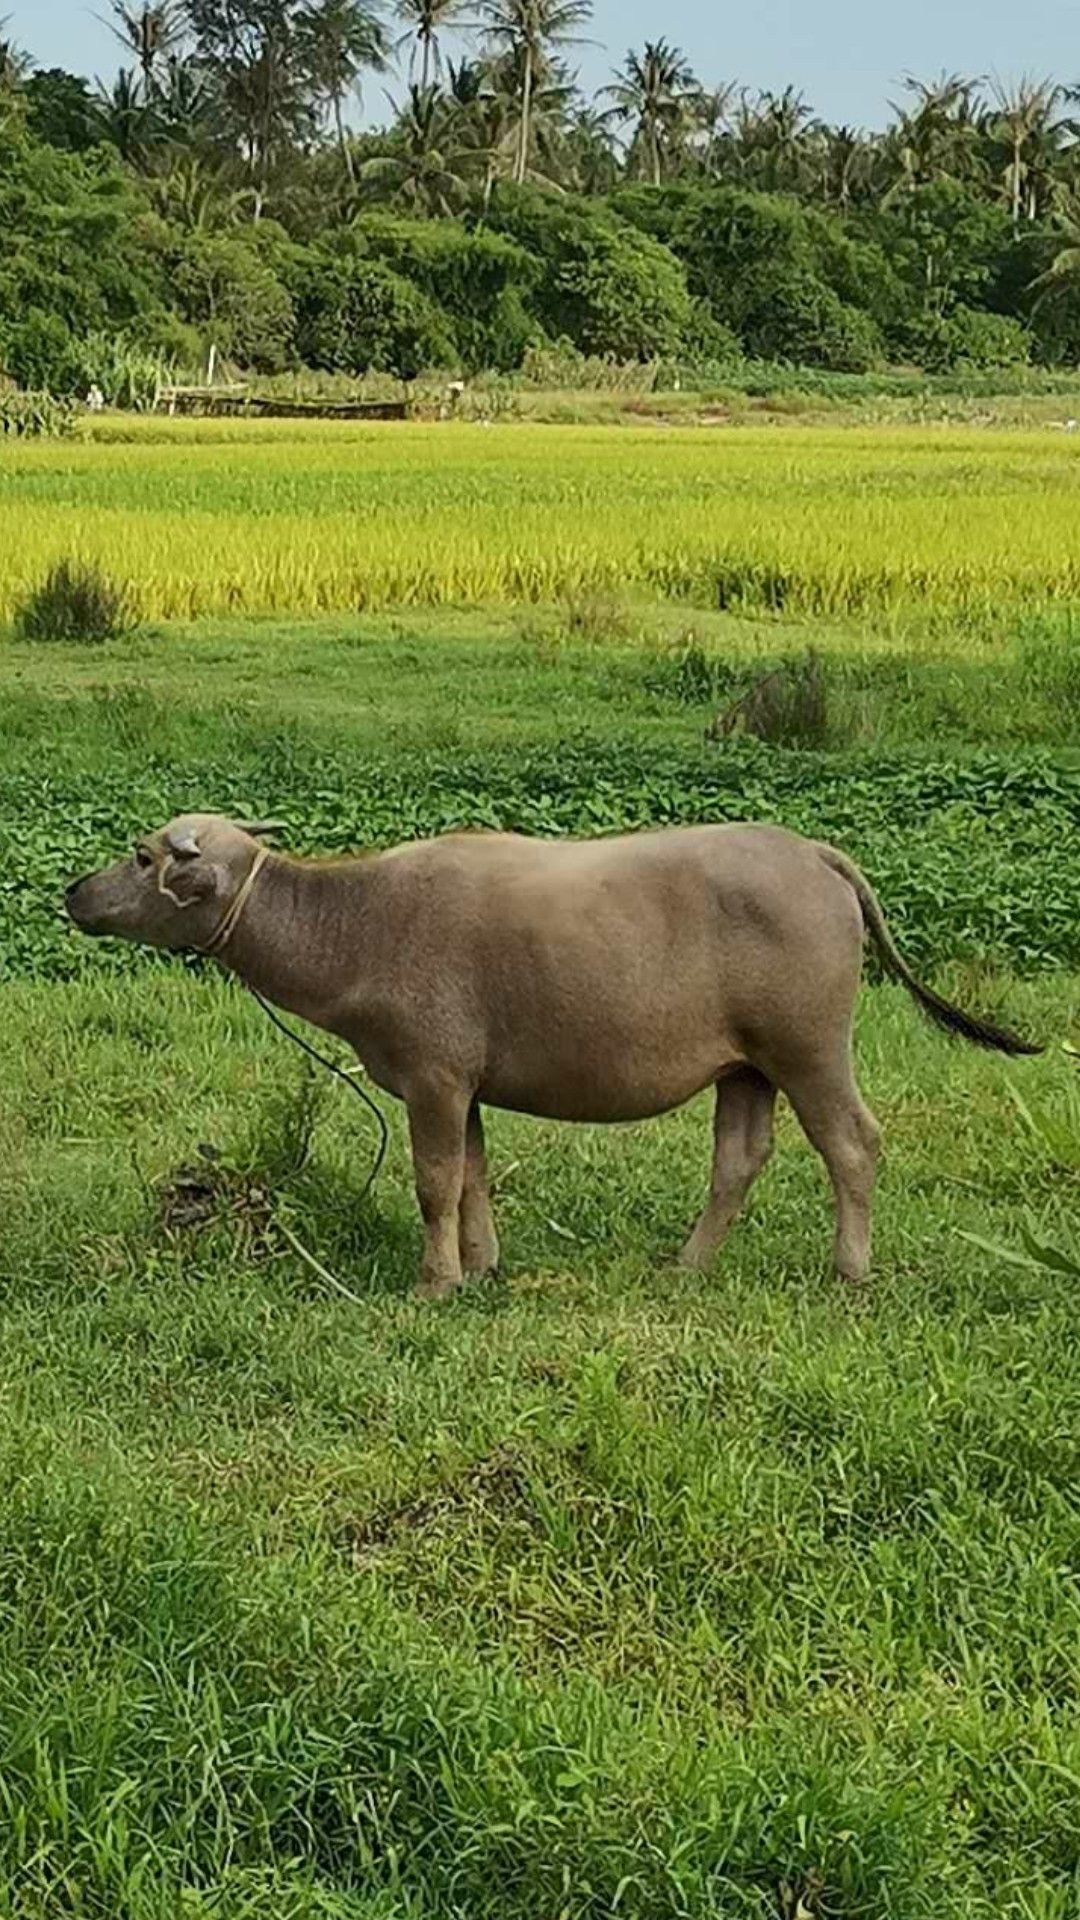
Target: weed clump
column 788, row 707
column 78, row 603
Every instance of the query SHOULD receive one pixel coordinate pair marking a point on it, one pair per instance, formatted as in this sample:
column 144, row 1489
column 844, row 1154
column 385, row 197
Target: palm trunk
column 1016, row 186
column 521, row 165
column 654, row 148
column 425, row 60
column 346, row 150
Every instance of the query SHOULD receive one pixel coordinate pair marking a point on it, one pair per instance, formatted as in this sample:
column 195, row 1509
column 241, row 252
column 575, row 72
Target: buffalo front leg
column 437, row 1123
column 742, row 1134
column 477, row 1239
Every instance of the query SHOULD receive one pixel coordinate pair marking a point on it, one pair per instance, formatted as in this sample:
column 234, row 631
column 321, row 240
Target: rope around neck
column 229, row 924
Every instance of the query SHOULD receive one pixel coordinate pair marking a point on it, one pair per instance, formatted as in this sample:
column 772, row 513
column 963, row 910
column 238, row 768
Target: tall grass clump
column 786, row 708
column 78, row 603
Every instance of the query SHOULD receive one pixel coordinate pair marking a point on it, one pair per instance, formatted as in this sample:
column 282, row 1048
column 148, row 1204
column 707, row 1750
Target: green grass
column 607, row 1589
column 606, row 1577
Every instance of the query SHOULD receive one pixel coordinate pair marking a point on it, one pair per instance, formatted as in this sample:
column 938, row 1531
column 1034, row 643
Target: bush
column 129, row 375
column 235, row 296
column 557, row 365
column 969, row 337
column 78, row 603
column 34, row 351
column 786, row 708
column 708, row 341
column 605, row 286
column 479, row 282
column 806, row 323
column 357, row 316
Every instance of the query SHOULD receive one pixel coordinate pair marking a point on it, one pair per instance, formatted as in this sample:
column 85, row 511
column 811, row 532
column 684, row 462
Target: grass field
column 607, row 1589
column 264, row 517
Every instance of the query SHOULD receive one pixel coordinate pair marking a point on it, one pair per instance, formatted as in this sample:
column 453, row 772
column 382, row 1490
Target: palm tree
column 127, row 118
column 712, row 129
column 655, row 92
column 428, row 170
column 339, row 39
column 847, row 165
column 1026, row 126
column 199, row 198
column 15, row 65
column 1063, row 274
column 151, row 32
column 785, row 124
column 938, row 138
column 186, row 98
column 485, row 122
column 525, row 33
column 592, row 161
column 425, row 21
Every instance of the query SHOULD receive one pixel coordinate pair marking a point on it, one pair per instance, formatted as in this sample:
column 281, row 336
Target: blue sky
column 847, row 55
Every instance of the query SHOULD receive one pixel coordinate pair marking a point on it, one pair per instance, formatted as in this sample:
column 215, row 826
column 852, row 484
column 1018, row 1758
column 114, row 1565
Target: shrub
column 689, row 675
column 806, row 323
column 35, row 350
column 356, row 316
column 128, row 374
column 478, row 281
column 708, row 341
column 78, row 603
column 786, row 708
column 968, row 337
column 606, row 286
column 558, row 365
column 594, row 618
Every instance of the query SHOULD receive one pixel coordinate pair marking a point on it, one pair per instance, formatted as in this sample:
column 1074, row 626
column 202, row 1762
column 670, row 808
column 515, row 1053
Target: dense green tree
column 665, row 215
column 605, row 286
column 61, row 110
column 75, row 257
column 355, row 314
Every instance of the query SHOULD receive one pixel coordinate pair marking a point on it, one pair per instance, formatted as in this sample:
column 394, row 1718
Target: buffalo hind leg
column 838, row 1123
column 742, row 1132
column 477, row 1238
column 438, row 1117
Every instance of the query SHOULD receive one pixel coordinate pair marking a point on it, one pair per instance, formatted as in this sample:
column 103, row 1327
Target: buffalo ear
column 260, row 827
column 184, row 844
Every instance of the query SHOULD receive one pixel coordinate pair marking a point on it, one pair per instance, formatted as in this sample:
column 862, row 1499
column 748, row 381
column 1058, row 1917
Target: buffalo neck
column 307, row 934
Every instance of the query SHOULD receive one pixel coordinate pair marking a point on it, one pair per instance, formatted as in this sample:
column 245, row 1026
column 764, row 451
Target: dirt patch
column 492, row 1487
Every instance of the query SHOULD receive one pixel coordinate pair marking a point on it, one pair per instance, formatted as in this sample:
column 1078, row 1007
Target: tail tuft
column 982, row 1033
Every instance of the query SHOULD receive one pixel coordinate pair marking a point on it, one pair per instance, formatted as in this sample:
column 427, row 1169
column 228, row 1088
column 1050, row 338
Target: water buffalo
column 594, row 980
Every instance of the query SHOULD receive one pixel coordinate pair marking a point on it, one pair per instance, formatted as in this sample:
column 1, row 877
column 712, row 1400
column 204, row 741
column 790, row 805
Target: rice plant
column 276, row 516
